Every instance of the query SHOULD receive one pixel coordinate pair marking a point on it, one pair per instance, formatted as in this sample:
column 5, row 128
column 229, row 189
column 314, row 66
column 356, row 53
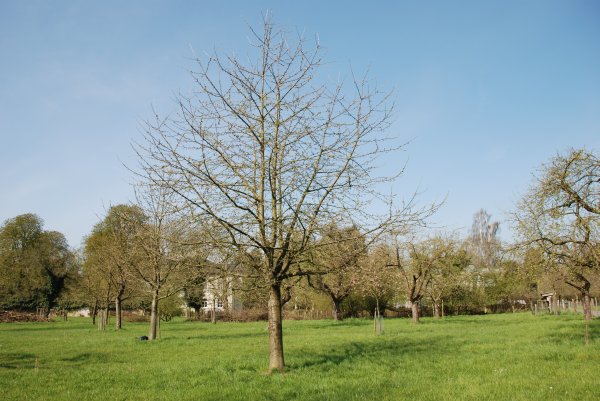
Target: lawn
column 494, row 357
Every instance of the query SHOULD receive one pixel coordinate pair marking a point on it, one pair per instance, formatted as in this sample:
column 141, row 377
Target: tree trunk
column 587, row 307
column 118, row 314
column 443, row 314
column 153, row 316
column 436, row 310
column 106, row 317
column 276, row 361
column 336, row 312
column 94, row 313
column 415, row 311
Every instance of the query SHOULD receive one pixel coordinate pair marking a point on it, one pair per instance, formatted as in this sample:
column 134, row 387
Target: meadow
column 492, row 357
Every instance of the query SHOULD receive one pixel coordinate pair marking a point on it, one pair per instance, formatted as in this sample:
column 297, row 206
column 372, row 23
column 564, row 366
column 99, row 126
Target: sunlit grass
column 498, row 357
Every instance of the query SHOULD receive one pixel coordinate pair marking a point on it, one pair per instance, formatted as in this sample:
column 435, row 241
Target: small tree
column 339, row 254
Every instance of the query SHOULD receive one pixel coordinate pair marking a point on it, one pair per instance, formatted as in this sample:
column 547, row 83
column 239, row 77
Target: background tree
column 416, row 262
column 338, row 253
column 34, row 264
column 266, row 150
column 376, row 280
column 165, row 261
column 560, row 214
column 446, row 274
column 485, row 250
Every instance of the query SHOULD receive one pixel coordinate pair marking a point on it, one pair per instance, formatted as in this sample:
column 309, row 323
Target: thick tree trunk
column 153, row 317
column 276, row 361
column 336, row 312
column 415, row 311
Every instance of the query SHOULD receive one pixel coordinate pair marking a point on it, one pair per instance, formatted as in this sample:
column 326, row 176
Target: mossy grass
column 493, row 357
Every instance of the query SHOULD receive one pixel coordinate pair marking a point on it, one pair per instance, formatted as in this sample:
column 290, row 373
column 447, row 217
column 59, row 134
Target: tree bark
column 587, row 307
column 118, row 315
column 436, row 310
column 336, row 312
column 276, row 360
column 415, row 311
column 153, row 316
column 94, row 313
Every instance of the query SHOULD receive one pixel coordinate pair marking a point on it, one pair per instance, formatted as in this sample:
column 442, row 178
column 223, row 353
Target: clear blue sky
column 486, row 90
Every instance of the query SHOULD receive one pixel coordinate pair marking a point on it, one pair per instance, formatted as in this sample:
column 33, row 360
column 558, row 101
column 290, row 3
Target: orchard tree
column 110, row 253
column 417, row 262
column 339, row 254
column 560, row 214
column 165, row 262
column 447, row 274
column 266, row 149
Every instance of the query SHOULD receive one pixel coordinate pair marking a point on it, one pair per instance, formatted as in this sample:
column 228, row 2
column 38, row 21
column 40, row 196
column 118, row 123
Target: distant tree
column 338, row 254
column 166, row 262
column 447, row 273
column 560, row 214
column 110, row 249
column 376, row 280
column 485, row 251
column 34, row 264
column 416, row 263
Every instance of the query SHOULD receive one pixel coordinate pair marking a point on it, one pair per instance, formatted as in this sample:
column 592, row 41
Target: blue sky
column 485, row 91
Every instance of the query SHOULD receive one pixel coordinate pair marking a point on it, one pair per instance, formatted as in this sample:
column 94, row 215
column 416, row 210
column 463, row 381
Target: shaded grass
column 496, row 357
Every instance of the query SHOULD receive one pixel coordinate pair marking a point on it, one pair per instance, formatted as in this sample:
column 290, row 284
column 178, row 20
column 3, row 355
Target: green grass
column 496, row 357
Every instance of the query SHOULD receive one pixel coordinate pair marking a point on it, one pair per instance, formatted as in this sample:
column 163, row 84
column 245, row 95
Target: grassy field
column 495, row 357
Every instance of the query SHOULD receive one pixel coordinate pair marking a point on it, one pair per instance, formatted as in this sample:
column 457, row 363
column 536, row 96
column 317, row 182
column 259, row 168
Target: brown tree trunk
column 436, row 310
column 118, row 314
column 94, row 313
column 415, row 311
column 106, row 317
column 276, row 361
column 153, row 316
column 336, row 312
column 587, row 307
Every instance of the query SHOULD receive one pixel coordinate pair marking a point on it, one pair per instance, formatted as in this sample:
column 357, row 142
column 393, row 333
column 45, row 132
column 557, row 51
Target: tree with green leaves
column 110, row 253
column 34, row 264
column 560, row 215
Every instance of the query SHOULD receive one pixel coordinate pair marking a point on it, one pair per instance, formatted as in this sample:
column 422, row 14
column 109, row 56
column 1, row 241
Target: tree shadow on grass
column 386, row 351
column 85, row 358
column 17, row 361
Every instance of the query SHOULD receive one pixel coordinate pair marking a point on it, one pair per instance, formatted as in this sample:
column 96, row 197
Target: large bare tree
column 265, row 148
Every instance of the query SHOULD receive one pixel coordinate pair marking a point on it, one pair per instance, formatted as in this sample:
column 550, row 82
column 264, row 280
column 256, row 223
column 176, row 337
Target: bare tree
column 265, row 149
column 561, row 215
column 165, row 261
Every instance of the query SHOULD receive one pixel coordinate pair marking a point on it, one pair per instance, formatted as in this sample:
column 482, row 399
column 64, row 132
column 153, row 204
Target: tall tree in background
column 111, row 253
column 34, row 264
column 560, row 214
column 264, row 149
